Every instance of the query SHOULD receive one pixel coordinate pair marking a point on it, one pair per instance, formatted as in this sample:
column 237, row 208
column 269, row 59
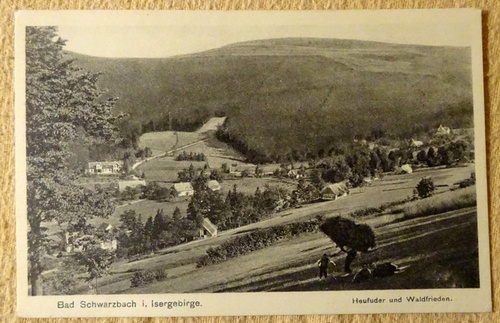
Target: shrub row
column 191, row 156
column 367, row 211
column 146, row 277
column 392, row 207
column 256, row 240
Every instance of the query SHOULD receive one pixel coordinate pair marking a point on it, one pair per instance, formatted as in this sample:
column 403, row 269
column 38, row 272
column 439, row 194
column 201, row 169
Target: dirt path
column 167, row 152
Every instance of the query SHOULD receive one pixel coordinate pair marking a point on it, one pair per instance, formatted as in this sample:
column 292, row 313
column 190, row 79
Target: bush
column 440, row 203
column 142, row 278
column 468, row 181
column 425, row 187
column 160, row 274
column 367, row 211
column 256, row 240
column 146, row 277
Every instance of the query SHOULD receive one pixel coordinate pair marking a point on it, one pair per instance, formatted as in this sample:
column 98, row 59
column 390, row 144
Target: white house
column 404, row 169
column 183, row 189
column 443, row 131
column 334, row 191
column 104, row 168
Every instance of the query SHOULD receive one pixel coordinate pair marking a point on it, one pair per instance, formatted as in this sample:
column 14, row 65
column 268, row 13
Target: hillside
column 297, row 93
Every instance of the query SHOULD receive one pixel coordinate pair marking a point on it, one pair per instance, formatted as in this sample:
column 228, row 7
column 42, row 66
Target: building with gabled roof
column 334, row 191
column 443, row 131
column 213, row 185
column 183, row 189
column 104, row 167
column 416, row 143
column 404, row 169
column 207, row 229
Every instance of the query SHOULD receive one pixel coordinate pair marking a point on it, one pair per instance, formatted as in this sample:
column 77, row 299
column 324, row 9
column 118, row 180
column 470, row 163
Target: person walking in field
column 323, row 264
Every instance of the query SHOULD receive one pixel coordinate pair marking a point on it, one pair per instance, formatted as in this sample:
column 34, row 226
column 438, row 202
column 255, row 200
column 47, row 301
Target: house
column 73, row 242
column 207, row 229
column 213, row 185
column 183, row 189
column 111, row 244
column 404, row 169
column 104, row 168
column 122, row 185
column 416, row 143
column 443, row 131
column 334, row 191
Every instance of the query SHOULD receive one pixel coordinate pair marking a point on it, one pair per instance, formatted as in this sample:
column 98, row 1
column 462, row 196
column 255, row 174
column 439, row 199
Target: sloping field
column 289, row 265
column 441, row 252
column 167, row 140
column 166, row 168
column 211, row 125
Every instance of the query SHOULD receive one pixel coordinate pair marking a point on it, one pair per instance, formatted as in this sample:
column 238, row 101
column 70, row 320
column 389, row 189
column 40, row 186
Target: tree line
column 136, row 237
column 191, row 156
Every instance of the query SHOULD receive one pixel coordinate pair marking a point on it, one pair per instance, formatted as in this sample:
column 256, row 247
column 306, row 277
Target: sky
column 164, row 34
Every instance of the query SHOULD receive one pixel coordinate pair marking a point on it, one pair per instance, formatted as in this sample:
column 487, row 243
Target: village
column 248, row 176
column 153, row 186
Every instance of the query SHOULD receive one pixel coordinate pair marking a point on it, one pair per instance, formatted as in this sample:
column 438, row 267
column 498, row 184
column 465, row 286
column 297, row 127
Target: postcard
column 206, row 163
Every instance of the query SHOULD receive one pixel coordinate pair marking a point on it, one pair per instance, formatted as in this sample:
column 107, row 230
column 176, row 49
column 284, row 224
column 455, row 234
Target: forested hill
column 297, row 93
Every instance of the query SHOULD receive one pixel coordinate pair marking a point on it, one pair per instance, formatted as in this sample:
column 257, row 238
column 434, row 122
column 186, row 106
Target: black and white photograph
column 237, row 163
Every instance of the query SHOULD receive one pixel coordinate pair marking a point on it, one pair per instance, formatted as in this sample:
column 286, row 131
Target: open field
column 166, row 168
column 211, row 125
column 167, row 140
column 289, row 265
column 448, row 201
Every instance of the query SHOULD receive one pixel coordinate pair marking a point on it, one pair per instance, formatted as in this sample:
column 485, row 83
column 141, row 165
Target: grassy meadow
column 439, row 203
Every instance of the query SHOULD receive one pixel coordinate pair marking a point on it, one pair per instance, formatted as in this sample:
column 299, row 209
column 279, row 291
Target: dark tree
column 445, row 155
column 63, row 105
column 350, row 237
column 422, row 156
column 131, row 222
column 431, row 157
column 425, row 187
column 217, row 175
column 317, row 179
column 177, row 214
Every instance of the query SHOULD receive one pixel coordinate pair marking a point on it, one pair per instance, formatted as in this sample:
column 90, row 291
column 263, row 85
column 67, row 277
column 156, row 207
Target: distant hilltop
column 297, row 93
